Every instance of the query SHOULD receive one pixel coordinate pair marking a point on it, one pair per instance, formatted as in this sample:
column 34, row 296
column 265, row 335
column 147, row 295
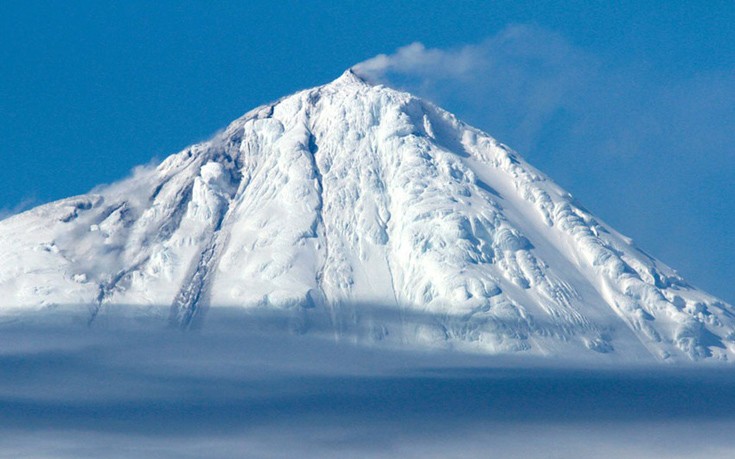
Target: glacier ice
column 357, row 207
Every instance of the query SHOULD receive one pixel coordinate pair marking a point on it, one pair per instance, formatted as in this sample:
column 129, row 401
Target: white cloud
column 416, row 58
column 511, row 83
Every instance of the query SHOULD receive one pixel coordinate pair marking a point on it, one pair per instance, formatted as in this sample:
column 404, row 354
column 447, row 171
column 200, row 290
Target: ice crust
column 354, row 206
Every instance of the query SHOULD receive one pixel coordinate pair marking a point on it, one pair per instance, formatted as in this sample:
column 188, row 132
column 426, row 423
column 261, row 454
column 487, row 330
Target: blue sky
column 630, row 107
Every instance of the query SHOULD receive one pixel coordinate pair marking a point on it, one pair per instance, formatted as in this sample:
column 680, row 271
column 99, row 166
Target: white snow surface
column 370, row 213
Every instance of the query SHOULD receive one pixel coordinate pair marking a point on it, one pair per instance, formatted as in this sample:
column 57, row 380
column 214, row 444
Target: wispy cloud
column 25, row 204
column 647, row 149
column 512, row 83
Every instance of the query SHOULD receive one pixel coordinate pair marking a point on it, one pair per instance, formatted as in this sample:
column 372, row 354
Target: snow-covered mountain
column 361, row 207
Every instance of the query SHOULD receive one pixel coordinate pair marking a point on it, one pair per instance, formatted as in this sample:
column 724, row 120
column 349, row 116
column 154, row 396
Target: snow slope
column 358, row 207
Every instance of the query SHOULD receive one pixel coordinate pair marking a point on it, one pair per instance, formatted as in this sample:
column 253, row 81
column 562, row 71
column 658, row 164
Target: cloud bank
column 649, row 151
column 136, row 389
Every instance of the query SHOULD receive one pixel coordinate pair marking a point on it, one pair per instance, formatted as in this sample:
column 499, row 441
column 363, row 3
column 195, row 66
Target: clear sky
column 630, row 107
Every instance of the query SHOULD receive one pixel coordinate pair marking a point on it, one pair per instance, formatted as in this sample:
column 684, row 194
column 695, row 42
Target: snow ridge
column 359, row 207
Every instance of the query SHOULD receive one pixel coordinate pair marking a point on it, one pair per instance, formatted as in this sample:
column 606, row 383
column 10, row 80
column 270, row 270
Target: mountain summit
column 361, row 207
